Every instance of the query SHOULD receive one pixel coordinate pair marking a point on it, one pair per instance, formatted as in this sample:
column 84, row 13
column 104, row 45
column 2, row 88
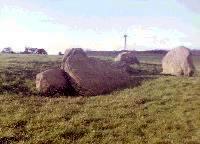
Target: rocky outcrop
column 54, row 81
column 127, row 58
column 178, row 62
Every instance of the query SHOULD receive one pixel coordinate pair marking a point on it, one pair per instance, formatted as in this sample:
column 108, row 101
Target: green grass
column 18, row 72
column 164, row 110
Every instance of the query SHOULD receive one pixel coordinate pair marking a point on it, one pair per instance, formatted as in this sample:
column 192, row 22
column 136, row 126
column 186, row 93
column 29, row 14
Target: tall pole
column 125, row 40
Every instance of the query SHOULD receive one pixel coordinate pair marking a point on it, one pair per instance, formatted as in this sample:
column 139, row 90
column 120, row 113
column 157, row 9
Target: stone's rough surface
column 53, row 81
column 92, row 76
column 178, row 62
column 127, row 57
column 78, row 52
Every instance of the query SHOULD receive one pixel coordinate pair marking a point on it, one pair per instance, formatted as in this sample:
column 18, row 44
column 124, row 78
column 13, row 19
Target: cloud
column 193, row 5
column 53, row 28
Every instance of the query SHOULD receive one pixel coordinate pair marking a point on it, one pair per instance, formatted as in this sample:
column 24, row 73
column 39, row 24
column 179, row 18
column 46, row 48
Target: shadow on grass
column 73, row 134
column 144, row 72
column 20, row 133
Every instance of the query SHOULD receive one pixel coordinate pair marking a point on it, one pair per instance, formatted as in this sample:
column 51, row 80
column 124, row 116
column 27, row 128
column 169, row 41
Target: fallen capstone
column 92, row 76
column 54, row 81
column 178, row 62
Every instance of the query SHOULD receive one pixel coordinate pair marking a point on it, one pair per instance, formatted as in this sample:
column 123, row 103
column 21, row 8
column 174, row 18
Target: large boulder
column 92, row 76
column 178, row 62
column 54, row 81
column 127, row 57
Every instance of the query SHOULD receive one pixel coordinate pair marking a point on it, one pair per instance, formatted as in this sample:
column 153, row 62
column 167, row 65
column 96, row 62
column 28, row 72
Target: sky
column 56, row 25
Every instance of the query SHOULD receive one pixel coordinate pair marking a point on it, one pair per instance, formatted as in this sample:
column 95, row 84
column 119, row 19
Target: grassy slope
column 164, row 110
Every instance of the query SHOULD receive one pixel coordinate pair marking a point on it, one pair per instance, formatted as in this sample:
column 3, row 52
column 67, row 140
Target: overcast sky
column 99, row 24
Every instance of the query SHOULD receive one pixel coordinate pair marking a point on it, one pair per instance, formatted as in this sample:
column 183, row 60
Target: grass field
column 163, row 110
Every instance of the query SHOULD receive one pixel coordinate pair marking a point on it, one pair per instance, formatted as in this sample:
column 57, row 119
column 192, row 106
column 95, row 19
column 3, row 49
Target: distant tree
column 60, row 53
column 41, row 51
column 7, row 50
